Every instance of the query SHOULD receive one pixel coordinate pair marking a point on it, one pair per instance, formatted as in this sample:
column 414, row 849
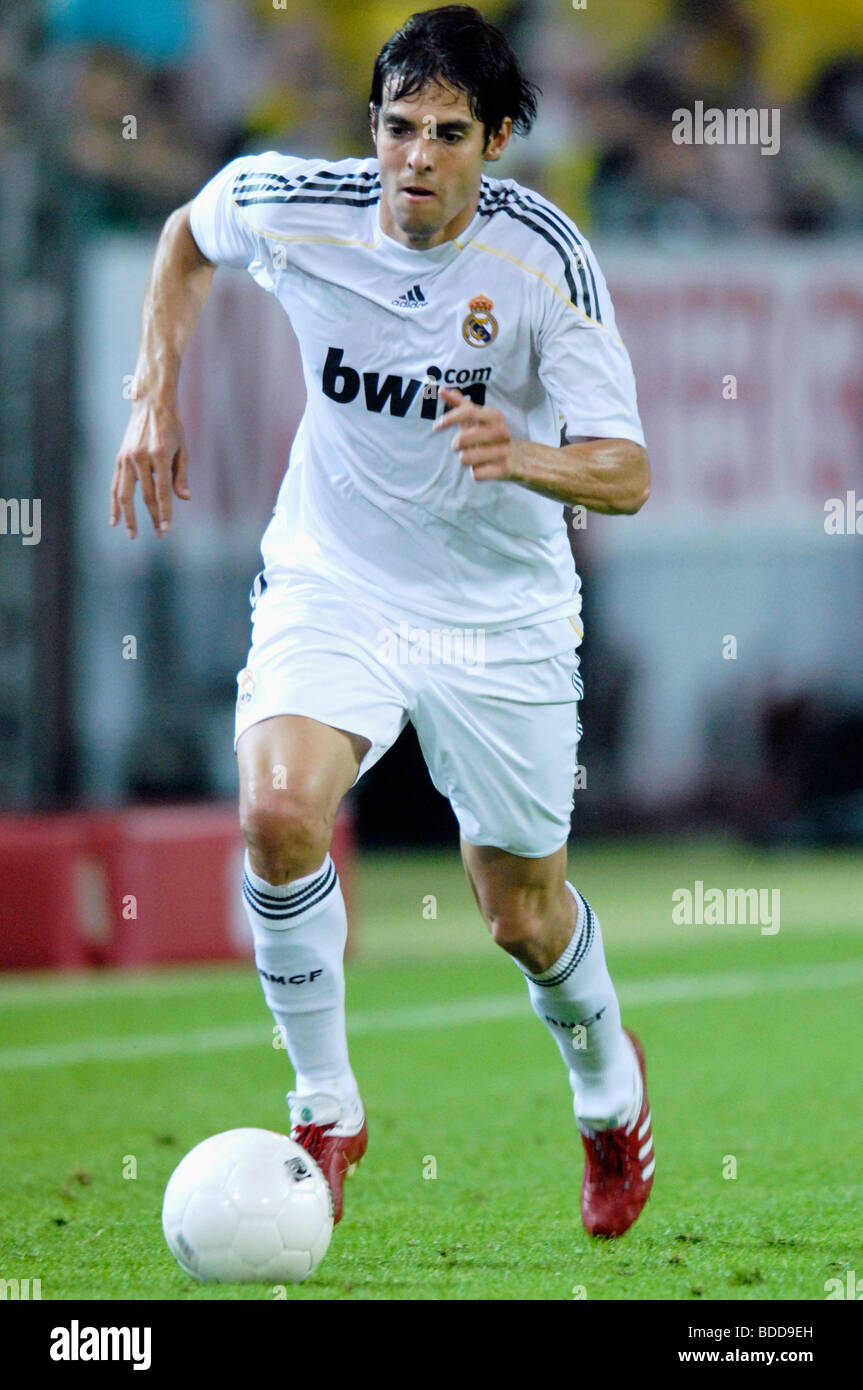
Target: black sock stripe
column 281, row 898
column 288, row 907
column 579, row 951
column 289, row 900
column 288, row 910
column 262, row 912
column 292, row 899
column 587, row 935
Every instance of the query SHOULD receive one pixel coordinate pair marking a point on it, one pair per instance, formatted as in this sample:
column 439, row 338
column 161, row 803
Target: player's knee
column 286, row 831
column 516, row 929
column 527, row 938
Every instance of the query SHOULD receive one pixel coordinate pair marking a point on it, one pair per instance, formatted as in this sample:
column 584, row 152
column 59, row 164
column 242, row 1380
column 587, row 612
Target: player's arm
column 153, row 450
column 603, row 475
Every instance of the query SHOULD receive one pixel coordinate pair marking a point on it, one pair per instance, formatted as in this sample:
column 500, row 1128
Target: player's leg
column 501, row 744
column 314, row 710
column 294, row 772
column 552, row 933
column 531, row 909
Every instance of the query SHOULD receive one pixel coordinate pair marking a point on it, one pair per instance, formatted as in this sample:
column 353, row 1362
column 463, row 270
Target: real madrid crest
column 245, row 687
column 480, row 326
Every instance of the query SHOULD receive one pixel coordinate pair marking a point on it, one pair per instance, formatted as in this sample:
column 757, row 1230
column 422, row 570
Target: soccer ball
column 248, row 1206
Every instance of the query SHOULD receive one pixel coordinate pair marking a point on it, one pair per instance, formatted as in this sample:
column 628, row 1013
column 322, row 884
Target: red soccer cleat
column 618, row 1169
column 336, row 1143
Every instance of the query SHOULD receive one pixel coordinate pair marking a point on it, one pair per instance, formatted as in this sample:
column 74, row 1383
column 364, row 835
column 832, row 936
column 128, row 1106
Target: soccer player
column 465, row 384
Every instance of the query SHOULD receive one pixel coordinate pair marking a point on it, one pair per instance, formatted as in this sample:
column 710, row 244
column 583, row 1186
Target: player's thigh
column 501, row 744
column 315, row 708
column 290, row 762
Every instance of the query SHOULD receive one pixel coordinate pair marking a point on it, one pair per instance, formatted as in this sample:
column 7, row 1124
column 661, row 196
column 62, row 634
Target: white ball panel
column 258, row 1241
column 210, row 1221
column 289, row 1267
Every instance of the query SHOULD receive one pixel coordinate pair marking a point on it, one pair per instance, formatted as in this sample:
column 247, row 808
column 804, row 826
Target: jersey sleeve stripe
column 568, row 228
column 320, row 198
column 581, row 301
column 259, row 186
column 343, row 174
column 273, row 183
column 294, row 179
column 270, row 186
column 557, row 234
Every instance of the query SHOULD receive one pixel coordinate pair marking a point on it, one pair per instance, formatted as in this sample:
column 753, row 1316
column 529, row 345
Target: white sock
column 300, row 930
column 576, row 1000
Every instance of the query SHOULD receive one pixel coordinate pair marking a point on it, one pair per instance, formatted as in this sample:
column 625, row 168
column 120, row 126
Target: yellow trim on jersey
column 577, row 628
column 480, row 246
column 531, row 270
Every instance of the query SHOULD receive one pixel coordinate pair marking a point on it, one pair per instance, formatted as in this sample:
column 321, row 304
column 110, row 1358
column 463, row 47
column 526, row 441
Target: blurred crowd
column 205, row 80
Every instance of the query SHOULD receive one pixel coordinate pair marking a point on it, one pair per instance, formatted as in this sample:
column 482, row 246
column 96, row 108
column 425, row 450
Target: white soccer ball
column 248, row 1206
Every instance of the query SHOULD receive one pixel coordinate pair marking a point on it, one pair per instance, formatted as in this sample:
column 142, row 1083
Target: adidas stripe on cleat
column 618, row 1169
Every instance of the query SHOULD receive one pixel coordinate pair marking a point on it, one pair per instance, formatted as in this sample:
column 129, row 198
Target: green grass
column 757, row 1058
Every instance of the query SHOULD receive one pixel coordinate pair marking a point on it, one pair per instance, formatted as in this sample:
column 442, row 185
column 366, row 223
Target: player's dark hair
column 454, row 43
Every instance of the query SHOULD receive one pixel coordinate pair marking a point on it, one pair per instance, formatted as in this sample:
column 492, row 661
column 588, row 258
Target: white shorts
column 495, row 712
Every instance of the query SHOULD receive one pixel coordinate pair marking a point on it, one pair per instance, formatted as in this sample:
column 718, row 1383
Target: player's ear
column 497, row 143
column 373, row 121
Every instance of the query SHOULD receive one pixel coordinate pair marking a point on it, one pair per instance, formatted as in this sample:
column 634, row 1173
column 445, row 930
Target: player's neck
column 449, row 232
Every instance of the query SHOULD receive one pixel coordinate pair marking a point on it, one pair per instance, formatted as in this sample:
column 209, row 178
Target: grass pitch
column 470, row 1186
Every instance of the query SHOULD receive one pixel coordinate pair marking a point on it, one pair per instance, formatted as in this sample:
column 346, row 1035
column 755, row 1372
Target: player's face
column 430, row 153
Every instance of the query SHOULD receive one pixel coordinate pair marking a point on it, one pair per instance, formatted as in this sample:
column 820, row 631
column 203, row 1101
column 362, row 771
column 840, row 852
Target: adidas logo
column 414, row 299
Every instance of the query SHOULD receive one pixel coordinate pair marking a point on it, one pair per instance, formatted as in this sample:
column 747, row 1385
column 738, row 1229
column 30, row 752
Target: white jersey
column 514, row 311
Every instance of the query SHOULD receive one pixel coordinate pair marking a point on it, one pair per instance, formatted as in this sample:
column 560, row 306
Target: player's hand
column 483, row 441
column 153, row 453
